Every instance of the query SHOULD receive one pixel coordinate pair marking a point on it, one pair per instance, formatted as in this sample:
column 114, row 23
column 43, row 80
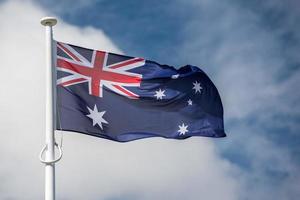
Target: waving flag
column 124, row 98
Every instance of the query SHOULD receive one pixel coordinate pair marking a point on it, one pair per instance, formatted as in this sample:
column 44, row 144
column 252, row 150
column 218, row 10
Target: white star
column 183, row 129
column 159, row 94
column 190, row 102
column 197, row 87
column 175, row 76
column 96, row 116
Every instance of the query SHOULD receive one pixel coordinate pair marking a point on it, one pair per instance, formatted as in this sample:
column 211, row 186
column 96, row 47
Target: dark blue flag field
column 124, row 98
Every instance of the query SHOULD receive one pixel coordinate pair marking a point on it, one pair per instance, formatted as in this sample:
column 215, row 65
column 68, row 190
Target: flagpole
column 48, row 22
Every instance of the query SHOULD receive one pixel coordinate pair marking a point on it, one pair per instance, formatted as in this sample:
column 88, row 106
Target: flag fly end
column 48, row 21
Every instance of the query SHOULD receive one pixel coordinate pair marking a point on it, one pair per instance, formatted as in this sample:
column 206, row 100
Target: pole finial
column 48, row 21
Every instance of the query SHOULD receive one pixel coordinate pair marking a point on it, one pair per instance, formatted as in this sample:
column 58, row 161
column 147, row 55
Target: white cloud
column 91, row 168
column 246, row 55
column 72, row 8
column 243, row 54
column 270, row 172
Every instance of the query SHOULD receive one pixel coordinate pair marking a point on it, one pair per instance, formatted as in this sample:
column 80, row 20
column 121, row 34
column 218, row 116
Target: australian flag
column 125, row 98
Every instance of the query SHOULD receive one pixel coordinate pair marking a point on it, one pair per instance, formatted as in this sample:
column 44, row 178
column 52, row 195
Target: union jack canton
column 97, row 72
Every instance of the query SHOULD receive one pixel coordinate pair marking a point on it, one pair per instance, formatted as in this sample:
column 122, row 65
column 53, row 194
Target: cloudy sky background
column 250, row 49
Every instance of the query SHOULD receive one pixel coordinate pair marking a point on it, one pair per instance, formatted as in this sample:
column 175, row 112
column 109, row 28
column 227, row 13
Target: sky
column 250, row 49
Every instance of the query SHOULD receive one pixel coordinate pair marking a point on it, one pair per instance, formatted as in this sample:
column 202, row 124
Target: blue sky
column 164, row 30
column 133, row 25
column 250, row 49
column 265, row 37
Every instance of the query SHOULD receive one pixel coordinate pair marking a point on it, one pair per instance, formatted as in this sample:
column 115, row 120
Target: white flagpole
column 48, row 22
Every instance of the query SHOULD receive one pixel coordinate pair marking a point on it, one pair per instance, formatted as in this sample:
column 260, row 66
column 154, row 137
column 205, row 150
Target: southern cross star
column 183, row 129
column 96, row 116
column 197, row 87
column 190, row 102
column 159, row 94
column 175, row 76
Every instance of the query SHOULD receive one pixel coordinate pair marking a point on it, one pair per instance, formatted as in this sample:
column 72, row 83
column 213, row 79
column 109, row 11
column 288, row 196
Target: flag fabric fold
column 125, row 98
